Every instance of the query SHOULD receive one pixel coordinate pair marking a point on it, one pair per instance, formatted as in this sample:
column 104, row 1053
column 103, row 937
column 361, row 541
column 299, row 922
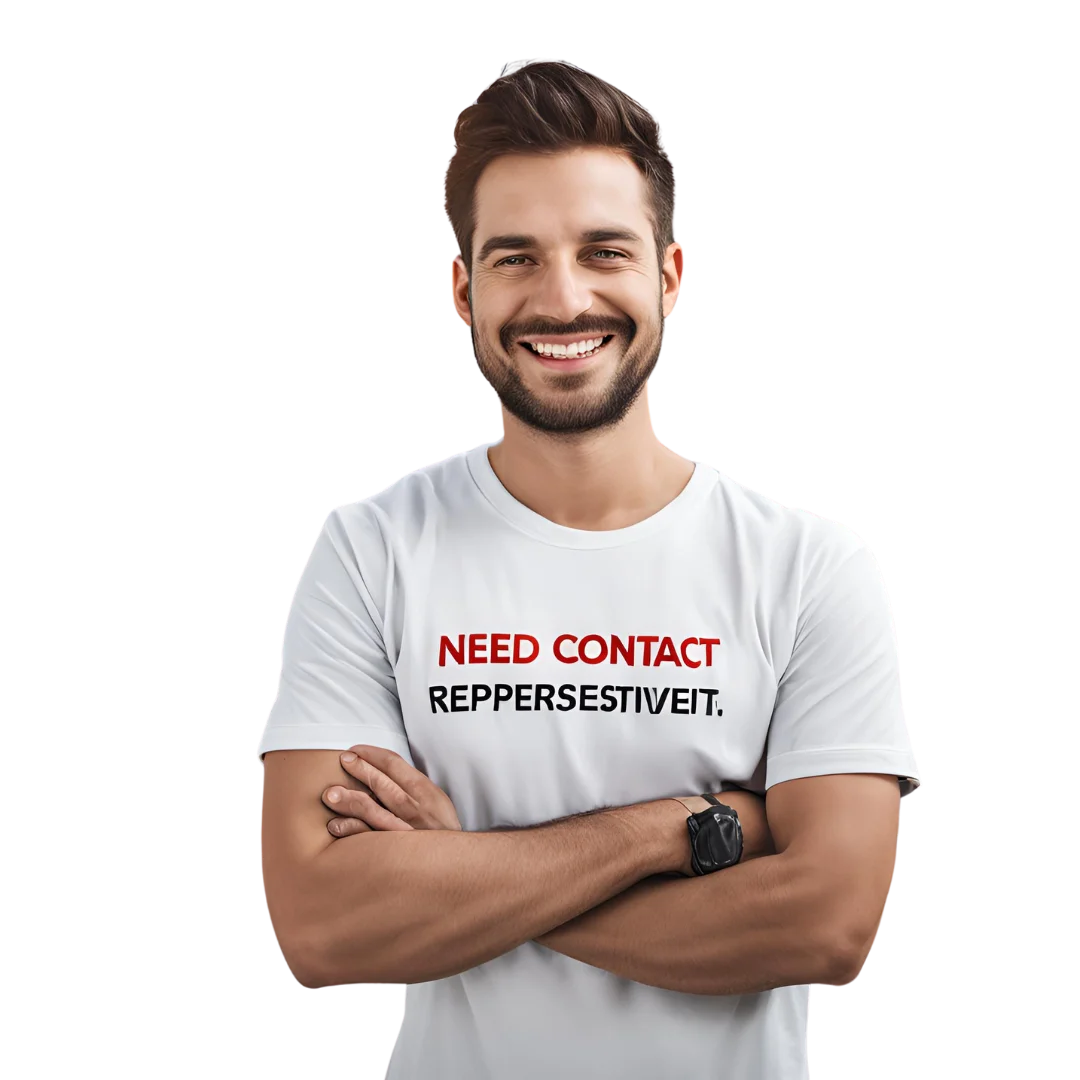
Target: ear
column 672, row 274
column 459, row 289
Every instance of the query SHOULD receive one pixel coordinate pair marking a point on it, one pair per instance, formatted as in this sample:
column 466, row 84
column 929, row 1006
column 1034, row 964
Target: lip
column 575, row 363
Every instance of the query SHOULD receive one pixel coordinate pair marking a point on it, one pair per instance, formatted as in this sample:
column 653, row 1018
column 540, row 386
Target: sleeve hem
column 331, row 737
column 844, row 759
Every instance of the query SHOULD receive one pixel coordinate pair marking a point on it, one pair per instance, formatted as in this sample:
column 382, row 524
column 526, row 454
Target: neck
column 598, row 481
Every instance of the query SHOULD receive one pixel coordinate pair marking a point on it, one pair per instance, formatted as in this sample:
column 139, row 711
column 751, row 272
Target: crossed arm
column 808, row 913
column 734, row 931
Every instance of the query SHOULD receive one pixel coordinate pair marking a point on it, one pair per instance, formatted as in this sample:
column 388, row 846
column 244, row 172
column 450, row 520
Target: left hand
column 405, row 797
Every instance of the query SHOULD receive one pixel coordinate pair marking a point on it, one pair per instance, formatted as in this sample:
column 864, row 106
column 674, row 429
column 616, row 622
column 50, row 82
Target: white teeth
column 574, row 349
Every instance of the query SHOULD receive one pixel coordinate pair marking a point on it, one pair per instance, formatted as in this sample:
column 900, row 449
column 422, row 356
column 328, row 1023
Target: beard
column 577, row 401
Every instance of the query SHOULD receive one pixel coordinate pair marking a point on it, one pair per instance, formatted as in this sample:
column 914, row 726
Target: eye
column 607, row 251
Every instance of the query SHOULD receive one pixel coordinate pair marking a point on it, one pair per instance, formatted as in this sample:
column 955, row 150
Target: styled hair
column 547, row 107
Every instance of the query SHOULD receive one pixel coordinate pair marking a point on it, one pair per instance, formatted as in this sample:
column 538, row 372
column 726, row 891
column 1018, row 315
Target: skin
column 578, row 447
column 807, row 914
column 394, row 796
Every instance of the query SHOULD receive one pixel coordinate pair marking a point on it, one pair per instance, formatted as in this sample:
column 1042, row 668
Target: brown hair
column 547, row 107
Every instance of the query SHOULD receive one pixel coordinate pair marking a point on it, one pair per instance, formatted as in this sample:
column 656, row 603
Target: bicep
column 843, row 828
column 294, row 833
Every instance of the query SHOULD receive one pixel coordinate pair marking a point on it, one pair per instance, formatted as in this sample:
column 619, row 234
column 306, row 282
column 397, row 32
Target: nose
column 561, row 292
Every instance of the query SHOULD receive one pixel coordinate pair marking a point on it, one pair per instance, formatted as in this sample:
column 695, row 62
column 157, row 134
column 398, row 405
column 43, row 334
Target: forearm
column 421, row 905
column 751, row 927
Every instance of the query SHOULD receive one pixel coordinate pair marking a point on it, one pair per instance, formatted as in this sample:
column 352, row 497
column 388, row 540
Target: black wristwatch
column 716, row 839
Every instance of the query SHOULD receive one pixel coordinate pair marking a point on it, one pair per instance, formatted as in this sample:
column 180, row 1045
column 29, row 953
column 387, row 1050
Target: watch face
column 717, row 842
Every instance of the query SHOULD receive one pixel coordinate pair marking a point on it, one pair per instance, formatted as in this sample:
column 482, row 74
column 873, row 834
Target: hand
column 757, row 839
column 397, row 796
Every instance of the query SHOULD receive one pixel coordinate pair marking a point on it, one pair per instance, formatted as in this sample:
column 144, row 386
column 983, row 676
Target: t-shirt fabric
column 534, row 671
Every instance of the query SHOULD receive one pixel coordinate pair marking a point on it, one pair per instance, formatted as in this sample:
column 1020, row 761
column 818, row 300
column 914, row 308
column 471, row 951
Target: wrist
column 674, row 854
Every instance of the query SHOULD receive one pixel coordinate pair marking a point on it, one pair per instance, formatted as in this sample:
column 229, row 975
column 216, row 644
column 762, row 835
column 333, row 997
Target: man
column 511, row 678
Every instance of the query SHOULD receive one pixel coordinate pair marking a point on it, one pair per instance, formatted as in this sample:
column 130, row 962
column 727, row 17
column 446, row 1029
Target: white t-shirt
column 724, row 638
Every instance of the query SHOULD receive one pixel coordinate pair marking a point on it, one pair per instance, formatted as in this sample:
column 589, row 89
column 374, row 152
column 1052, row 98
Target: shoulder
column 401, row 502
column 800, row 546
column 401, row 515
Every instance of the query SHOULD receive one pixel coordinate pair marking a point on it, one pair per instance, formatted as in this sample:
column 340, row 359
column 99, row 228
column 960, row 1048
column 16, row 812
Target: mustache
column 595, row 330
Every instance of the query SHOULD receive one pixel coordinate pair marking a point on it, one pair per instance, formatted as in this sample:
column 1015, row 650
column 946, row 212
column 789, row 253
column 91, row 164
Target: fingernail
column 348, row 756
column 334, row 795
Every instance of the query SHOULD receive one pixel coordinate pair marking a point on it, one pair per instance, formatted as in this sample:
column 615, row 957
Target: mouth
column 568, row 363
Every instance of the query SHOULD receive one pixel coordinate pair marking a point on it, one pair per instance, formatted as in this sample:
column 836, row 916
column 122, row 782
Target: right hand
column 397, row 796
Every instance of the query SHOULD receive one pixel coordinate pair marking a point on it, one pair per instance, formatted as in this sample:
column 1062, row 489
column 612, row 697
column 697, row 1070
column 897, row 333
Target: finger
column 358, row 804
column 391, row 764
column 336, row 798
column 346, row 826
column 386, row 789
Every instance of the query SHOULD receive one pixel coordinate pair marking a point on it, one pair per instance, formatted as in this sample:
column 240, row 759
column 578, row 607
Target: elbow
column 309, row 976
column 321, row 949
column 838, row 969
column 320, row 966
column 844, row 958
column 844, row 931
column 317, row 967
column 306, row 959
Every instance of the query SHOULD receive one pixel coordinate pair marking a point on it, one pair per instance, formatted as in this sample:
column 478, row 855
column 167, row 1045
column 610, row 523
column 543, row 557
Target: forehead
column 556, row 197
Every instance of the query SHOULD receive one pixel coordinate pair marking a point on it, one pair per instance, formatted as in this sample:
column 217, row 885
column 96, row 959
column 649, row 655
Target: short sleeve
column 838, row 707
column 337, row 685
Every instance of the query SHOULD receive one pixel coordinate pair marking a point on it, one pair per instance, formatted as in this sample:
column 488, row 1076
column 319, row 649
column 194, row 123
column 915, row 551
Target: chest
column 536, row 687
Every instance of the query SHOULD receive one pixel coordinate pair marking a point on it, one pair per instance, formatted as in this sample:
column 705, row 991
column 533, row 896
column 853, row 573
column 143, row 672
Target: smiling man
column 576, row 386
column 597, row 750
column 569, row 287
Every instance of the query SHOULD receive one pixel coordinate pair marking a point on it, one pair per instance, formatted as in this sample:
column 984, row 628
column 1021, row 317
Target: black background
column 806, row 360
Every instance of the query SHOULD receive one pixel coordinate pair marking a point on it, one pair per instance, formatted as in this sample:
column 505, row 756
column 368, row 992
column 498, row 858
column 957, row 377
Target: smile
column 560, row 359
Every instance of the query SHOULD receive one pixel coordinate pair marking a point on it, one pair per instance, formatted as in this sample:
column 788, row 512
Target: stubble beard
column 570, row 407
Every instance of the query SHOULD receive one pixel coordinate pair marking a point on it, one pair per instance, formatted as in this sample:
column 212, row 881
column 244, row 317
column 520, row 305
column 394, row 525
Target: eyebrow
column 519, row 240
